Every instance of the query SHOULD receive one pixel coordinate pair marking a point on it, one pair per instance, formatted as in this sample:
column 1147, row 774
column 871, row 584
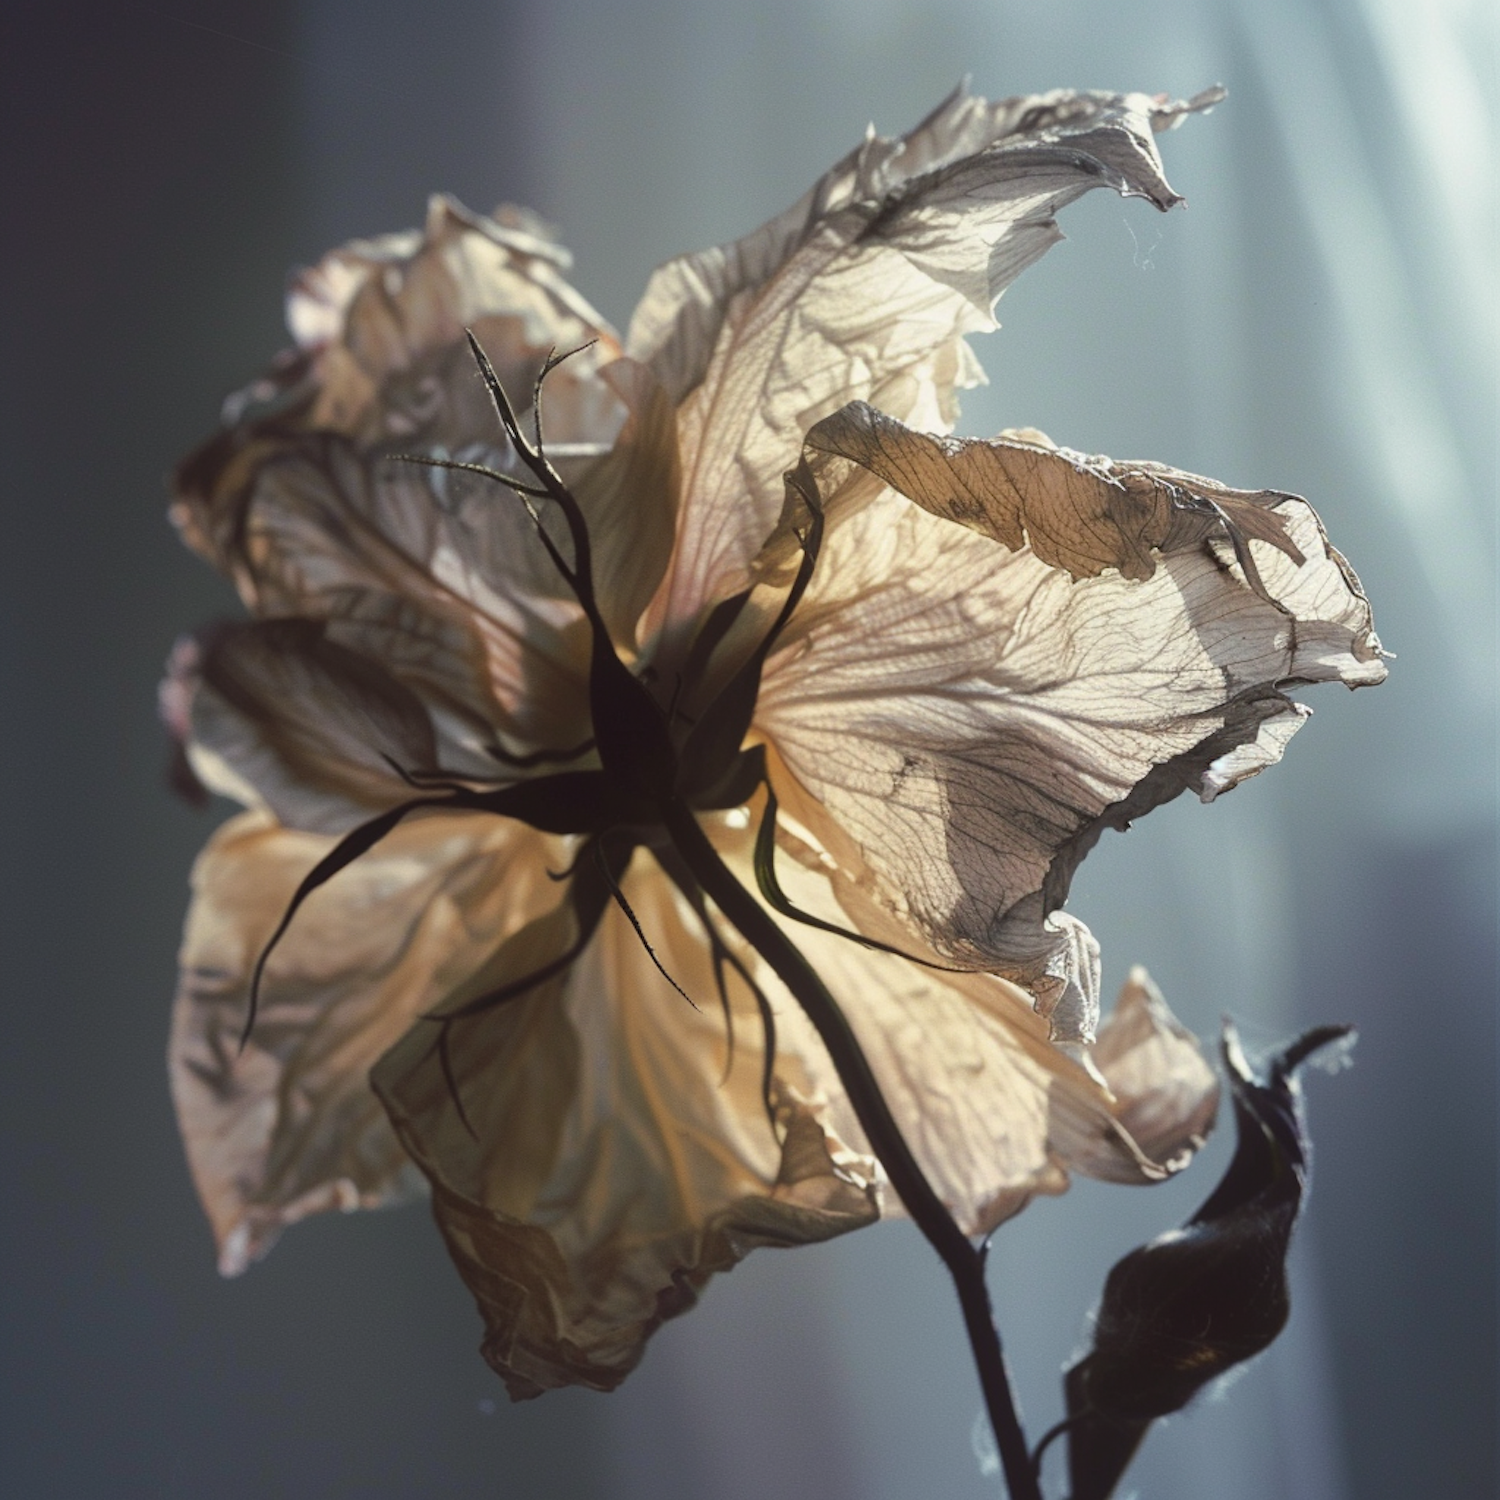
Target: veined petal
column 971, row 719
column 440, row 576
column 629, row 499
column 289, row 1126
column 993, row 1110
column 279, row 716
column 613, row 1168
column 373, row 313
column 381, row 360
column 1166, row 1093
column 864, row 291
column 688, row 300
column 1076, row 512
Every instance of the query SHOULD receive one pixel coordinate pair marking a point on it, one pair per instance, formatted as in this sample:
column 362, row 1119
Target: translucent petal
column 969, row 719
column 863, row 291
column 289, row 1126
column 994, row 1111
column 613, row 1166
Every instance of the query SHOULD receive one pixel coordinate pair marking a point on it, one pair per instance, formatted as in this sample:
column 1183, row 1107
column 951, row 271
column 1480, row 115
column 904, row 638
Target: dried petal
column 993, row 1110
column 1084, row 514
column 611, row 1169
column 289, row 1126
column 863, row 291
column 964, row 720
column 283, row 717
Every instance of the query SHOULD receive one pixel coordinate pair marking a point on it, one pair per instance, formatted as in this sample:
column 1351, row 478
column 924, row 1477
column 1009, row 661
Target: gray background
column 1320, row 319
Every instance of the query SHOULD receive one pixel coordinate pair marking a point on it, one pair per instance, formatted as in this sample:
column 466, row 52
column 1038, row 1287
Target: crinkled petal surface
column 612, row 1165
column 438, row 578
column 863, row 291
column 289, row 1126
column 994, row 1111
column 382, row 319
column 962, row 719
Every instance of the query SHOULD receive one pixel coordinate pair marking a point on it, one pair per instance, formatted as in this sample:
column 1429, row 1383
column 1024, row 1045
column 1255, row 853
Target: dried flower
column 901, row 683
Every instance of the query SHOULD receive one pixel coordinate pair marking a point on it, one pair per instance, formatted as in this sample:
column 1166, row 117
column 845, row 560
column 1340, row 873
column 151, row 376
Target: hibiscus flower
column 560, row 729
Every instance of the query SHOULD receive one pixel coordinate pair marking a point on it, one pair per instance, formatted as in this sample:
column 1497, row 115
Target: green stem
column 964, row 1260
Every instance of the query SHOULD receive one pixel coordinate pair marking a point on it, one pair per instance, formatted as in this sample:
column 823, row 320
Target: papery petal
column 439, row 576
column 1166, row 1093
column 381, row 357
column 1080, row 513
column 994, row 1111
column 289, row 1126
column 629, row 499
column 972, row 719
column 615, row 1167
column 688, row 300
column 280, row 716
column 864, row 291
column 374, row 313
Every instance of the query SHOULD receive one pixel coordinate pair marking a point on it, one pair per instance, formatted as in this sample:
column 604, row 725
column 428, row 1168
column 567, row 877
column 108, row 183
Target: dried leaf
column 1180, row 1311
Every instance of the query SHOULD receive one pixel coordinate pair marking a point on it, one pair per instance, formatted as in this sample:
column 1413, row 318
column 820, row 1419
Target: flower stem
column 965, row 1261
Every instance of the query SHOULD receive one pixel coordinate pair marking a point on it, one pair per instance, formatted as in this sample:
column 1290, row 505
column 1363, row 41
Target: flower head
column 717, row 598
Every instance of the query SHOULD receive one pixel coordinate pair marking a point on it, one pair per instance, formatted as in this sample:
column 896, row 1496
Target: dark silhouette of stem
column 965, row 1261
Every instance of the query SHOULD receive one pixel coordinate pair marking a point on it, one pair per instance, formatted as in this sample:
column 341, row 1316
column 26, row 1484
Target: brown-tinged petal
column 440, row 576
column 280, row 716
column 1077, row 512
column 289, row 1126
column 612, row 1166
column 994, row 1111
column 970, row 718
column 864, row 291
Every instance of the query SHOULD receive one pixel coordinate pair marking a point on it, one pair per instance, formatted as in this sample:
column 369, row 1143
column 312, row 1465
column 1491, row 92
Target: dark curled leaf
column 1195, row 1302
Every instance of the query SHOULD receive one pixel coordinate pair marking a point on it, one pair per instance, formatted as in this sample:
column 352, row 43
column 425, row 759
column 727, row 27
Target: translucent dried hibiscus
column 673, row 785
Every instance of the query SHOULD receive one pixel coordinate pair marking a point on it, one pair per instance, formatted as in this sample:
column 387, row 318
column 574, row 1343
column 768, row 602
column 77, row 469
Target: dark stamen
column 776, row 898
column 552, row 361
column 624, row 905
column 428, row 462
column 356, row 842
column 538, row 757
column 450, row 1078
column 439, row 781
column 720, row 731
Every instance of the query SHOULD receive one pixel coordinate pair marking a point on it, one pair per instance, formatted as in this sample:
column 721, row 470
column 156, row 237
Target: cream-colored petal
column 289, row 1126
column 375, row 313
column 864, row 291
column 382, row 360
column 629, row 500
column 971, row 719
column 689, row 299
column 613, row 1167
column 994, row 1112
column 439, row 576
column 1166, row 1093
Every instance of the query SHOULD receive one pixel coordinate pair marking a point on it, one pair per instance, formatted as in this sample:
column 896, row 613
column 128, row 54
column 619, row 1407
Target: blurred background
column 1320, row 319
